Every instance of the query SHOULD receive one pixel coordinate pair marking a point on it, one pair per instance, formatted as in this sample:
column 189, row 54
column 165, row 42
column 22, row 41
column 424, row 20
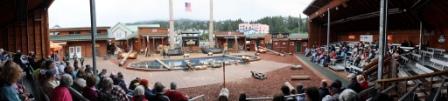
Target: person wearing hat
column 148, row 92
column 159, row 91
column 174, row 94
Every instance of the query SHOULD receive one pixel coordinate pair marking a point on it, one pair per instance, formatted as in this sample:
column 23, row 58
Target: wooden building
column 255, row 40
column 288, row 42
column 78, row 41
column 351, row 19
column 234, row 41
column 135, row 36
column 151, row 38
column 24, row 26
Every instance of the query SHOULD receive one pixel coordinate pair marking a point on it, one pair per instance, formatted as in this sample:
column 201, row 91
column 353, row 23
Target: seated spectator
column 148, row 92
column 334, row 89
column 139, row 94
column 62, row 92
column 348, row 95
column 79, row 84
column 134, row 83
column 120, row 81
column 354, row 85
column 362, row 81
column 90, row 91
column 159, row 91
column 300, row 90
column 312, row 94
column 50, row 82
column 323, row 90
column 10, row 74
column 285, row 92
column 175, row 95
column 111, row 92
column 70, row 70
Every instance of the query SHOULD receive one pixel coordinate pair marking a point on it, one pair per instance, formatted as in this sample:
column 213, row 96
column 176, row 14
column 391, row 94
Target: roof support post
column 93, row 32
column 328, row 30
column 421, row 36
column 382, row 37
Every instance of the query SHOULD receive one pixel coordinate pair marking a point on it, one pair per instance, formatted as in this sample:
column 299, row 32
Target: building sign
column 366, row 38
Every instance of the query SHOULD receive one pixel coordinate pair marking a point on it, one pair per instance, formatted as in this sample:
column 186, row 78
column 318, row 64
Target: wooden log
column 289, row 85
column 300, row 77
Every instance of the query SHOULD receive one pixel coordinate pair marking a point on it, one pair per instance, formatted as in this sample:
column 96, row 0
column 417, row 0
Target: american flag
column 188, row 6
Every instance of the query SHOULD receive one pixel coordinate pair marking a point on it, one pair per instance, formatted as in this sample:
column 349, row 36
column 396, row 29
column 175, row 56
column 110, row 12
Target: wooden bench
column 405, row 59
column 436, row 50
column 416, row 56
column 428, row 53
column 441, row 63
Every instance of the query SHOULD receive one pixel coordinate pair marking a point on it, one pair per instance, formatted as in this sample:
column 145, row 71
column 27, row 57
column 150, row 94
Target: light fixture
column 441, row 39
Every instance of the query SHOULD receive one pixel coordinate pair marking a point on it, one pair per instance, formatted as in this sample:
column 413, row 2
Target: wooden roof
column 363, row 15
column 15, row 10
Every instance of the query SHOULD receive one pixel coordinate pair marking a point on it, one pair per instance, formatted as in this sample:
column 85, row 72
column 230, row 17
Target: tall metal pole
column 382, row 41
column 172, row 34
column 421, row 38
column 328, row 30
column 210, row 27
column 93, row 32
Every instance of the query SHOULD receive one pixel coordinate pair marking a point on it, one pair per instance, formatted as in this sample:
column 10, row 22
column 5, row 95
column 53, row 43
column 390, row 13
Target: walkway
column 324, row 71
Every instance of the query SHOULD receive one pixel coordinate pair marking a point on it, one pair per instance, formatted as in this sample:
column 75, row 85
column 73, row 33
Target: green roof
column 78, row 37
column 296, row 36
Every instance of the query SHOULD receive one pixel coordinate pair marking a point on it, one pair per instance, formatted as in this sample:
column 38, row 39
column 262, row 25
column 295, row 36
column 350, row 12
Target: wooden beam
column 414, row 77
column 323, row 9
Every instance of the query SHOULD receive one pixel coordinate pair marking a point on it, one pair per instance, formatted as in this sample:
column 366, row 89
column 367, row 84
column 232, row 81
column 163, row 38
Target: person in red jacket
column 175, row 95
column 62, row 92
column 362, row 81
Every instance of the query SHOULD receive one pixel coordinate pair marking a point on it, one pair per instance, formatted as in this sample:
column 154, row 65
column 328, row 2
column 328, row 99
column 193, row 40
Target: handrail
column 197, row 98
column 77, row 94
column 413, row 77
column 439, row 90
column 374, row 67
column 402, row 98
column 366, row 91
column 389, row 88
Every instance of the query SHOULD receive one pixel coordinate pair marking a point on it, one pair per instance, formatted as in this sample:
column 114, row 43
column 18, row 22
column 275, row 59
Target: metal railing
column 270, row 98
column 439, row 90
column 410, row 95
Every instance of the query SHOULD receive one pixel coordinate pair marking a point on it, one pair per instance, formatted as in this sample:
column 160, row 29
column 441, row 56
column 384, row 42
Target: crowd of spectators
column 55, row 79
column 333, row 92
column 356, row 53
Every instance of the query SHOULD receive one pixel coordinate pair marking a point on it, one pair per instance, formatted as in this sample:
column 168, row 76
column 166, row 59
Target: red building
column 77, row 41
column 234, row 40
column 289, row 43
column 255, row 40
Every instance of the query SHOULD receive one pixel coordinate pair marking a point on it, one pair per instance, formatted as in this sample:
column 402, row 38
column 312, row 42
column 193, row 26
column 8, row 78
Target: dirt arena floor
column 238, row 78
column 258, row 88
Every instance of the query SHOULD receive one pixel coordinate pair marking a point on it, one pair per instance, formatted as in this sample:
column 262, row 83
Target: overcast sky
column 75, row 13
